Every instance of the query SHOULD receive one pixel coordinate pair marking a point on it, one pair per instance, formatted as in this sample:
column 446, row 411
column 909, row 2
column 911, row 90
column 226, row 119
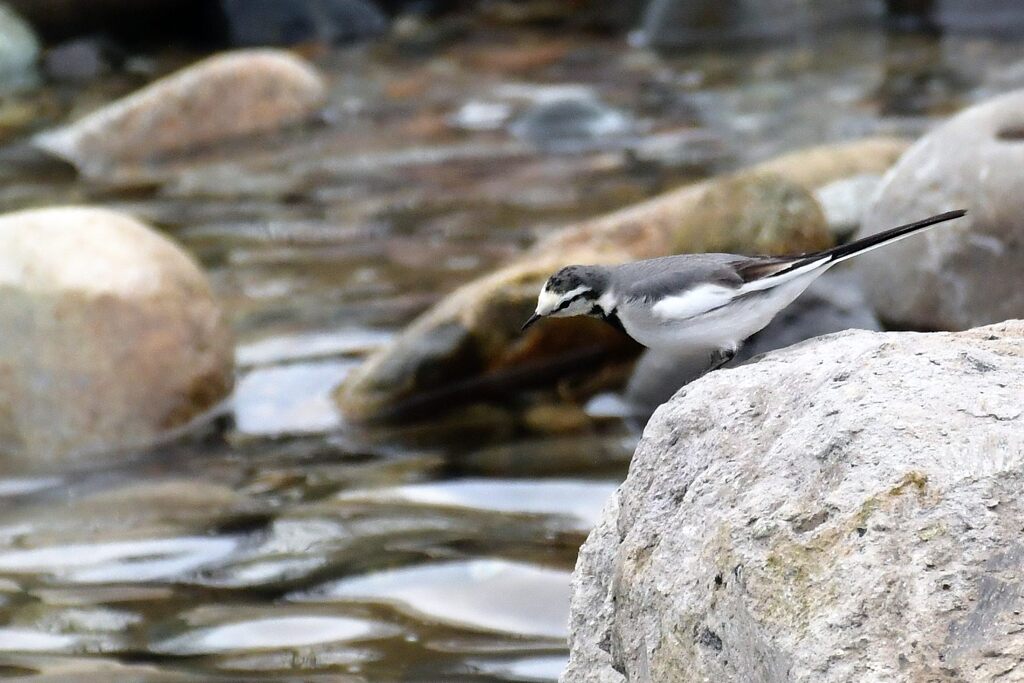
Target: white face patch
column 548, row 302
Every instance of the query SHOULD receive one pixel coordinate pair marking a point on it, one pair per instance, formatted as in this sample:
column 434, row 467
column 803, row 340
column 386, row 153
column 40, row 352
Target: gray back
column 669, row 275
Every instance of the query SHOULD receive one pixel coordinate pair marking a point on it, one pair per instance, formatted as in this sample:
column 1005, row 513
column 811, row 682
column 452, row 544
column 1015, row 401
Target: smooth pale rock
column 111, row 335
column 967, row 272
column 845, row 202
column 19, row 51
column 471, row 340
column 223, row 97
column 846, row 509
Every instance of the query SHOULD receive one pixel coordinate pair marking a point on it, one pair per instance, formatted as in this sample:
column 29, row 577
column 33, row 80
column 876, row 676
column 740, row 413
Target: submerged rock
column 470, row 343
column 111, row 338
column 19, row 51
column 989, row 17
column 569, row 122
column 290, row 22
column 223, row 97
column 857, row 494
column 709, row 23
column 967, row 272
column 80, row 60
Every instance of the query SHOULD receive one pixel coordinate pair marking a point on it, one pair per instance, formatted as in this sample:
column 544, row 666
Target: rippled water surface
column 287, row 542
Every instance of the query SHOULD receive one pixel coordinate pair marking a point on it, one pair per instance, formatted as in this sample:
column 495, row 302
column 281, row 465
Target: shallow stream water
column 289, row 543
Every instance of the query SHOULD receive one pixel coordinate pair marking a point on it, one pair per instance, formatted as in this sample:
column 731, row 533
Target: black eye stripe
column 588, row 294
column 565, row 304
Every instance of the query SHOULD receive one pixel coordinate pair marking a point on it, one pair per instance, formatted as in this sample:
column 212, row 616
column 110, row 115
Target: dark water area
column 292, row 544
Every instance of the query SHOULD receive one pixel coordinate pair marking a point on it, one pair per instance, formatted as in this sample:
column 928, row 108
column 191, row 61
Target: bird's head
column 574, row 290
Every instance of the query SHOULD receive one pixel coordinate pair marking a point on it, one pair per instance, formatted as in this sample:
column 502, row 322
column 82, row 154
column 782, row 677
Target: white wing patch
column 700, row 299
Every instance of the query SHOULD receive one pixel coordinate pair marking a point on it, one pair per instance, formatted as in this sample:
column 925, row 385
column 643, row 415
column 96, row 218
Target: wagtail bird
column 694, row 302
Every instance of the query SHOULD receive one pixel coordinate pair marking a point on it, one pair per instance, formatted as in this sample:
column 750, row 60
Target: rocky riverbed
column 239, row 524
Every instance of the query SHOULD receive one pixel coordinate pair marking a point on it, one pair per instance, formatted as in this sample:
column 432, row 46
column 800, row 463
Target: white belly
column 724, row 328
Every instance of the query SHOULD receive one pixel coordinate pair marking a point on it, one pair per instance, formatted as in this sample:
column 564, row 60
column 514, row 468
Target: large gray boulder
column 111, row 336
column 847, row 509
column 968, row 272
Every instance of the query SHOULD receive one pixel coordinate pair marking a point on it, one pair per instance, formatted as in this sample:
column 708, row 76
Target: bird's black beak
column 533, row 318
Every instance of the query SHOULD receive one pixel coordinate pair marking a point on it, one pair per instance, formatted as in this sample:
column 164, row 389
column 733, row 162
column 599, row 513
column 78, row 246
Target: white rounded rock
column 111, row 335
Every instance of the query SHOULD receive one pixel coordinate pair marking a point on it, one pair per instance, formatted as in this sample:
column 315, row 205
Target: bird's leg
column 721, row 357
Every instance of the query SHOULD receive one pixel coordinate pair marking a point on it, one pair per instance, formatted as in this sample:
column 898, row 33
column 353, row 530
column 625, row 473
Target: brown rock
column 111, row 335
column 223, row 97
column 470, row 342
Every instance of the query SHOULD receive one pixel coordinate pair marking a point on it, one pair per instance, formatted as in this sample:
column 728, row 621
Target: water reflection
column 578, row 501
column 120, row 561
column 487, row 594
column 270, row 633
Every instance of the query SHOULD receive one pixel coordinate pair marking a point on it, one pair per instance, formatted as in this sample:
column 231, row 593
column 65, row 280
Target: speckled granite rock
column 847, row 509
column 111, row 336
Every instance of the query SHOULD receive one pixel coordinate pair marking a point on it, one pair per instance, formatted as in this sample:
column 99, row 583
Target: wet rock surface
column 221, row 98
column 80, row 60
column 254, row 23
column 808, row 502
column 112, row 336
column 979, row 17
column 966, row 273
column 569, row 122
column 687, row 24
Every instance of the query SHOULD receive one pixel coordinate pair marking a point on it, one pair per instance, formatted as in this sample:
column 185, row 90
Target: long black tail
column 845, row 251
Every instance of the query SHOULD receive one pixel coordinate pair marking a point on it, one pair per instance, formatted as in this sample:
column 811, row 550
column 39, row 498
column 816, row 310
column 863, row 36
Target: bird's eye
column 564, row 305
